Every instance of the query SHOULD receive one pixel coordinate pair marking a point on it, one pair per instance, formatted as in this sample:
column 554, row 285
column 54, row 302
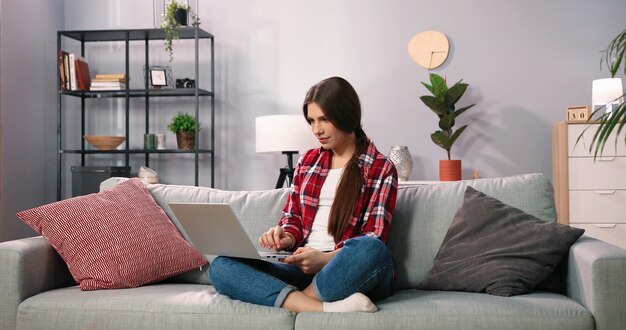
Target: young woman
column 335, row 221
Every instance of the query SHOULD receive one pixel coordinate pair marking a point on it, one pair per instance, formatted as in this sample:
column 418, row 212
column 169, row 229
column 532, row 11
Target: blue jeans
column 363, row 265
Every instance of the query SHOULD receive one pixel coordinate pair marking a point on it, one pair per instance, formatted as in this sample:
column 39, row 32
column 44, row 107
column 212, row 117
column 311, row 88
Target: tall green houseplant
column 443, row 103
column 615, row 58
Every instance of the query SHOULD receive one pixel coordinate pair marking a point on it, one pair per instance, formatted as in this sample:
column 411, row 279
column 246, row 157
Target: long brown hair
column 340, row 104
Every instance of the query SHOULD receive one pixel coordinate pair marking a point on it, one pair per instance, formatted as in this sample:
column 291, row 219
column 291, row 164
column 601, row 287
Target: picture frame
column 159, row 76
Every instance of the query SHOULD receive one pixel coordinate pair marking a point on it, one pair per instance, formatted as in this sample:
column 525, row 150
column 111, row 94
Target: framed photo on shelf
column 159, row 76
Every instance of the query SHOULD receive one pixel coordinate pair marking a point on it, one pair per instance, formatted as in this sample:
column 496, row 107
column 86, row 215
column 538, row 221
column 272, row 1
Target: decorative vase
column 450, row 170
column 401, row 157
column 186, row 140
column 181, row 16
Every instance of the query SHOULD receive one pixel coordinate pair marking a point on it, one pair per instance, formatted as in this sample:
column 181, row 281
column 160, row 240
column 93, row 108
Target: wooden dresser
column 590, row 195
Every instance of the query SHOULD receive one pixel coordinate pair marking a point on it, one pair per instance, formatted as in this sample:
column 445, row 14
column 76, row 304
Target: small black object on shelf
column 185, row 83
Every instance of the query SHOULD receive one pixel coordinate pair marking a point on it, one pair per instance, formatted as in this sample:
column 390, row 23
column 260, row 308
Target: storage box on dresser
column 590, row 194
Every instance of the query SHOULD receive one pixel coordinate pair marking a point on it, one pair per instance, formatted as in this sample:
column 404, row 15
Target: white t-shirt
column 319, row 238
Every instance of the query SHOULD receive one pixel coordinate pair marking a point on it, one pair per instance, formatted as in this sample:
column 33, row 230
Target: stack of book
column 73, row 72
column 108, row 82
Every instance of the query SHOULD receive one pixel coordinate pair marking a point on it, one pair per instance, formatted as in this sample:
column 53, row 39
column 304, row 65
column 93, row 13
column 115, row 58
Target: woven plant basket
column 186, row 140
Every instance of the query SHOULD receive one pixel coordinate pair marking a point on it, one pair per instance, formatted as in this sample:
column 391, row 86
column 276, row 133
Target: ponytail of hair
column 348, row 190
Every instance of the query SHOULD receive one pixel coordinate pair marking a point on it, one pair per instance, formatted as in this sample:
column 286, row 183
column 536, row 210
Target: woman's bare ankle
column 298, row 301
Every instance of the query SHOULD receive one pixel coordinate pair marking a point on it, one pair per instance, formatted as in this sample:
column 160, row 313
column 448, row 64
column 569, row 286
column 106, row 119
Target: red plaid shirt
column 373, row 209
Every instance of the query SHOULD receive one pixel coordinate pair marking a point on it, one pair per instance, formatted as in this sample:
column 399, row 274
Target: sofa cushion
column 257, row 211
column 117, row 238
column 423, row 215
column 449, row 310
column 159, row 306
column 495, row 248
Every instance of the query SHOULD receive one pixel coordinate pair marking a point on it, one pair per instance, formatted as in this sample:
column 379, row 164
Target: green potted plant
column 184, row 126
column 443, row 103
column 175, row 16
column 614, row 57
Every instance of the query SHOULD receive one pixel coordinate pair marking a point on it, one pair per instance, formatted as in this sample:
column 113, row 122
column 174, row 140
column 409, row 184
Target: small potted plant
column 184, row 126
column 175, row 16
column 443, row 103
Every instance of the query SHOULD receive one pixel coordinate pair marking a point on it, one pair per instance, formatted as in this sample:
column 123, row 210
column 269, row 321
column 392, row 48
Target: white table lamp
column 286, row 134
column 607, row 92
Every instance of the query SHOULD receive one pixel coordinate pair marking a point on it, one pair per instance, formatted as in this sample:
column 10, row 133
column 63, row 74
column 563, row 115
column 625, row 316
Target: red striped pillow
column 118, row 238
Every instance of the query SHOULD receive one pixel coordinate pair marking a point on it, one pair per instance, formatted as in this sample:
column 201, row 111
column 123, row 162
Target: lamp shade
column 604, row 91
column 278, row 133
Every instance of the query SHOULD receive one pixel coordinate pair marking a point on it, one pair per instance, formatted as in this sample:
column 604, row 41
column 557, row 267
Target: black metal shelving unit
column 146, row 35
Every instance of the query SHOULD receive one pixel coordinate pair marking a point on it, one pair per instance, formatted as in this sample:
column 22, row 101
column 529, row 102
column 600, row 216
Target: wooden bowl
column 104, row 142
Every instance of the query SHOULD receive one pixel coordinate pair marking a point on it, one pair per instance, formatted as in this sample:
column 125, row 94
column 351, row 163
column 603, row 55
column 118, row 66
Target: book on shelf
column 72, row 63
column 109, row 80
column 107, row 88
column 66, row 70
column 107, row 85
column 111, row 77
column 82, row 74
column 62, row 76
column 95, row 83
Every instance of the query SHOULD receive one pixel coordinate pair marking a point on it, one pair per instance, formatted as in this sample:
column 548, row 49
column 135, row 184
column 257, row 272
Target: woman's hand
column 276, row 238
column 310, row 260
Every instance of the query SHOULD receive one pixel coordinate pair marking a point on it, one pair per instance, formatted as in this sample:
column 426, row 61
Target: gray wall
column 525, row 61
column 28, row 108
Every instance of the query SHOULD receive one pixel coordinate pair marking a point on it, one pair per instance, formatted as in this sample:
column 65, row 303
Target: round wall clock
column 429, row 49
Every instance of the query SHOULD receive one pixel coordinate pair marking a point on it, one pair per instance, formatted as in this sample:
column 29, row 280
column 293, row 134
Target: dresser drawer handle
column 604, row 192
column 605, row 225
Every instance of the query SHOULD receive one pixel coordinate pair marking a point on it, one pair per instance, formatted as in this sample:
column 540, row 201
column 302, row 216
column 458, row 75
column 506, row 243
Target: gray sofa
column 37, row 291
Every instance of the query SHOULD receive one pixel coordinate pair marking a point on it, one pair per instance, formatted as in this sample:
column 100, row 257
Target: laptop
column 215, row 230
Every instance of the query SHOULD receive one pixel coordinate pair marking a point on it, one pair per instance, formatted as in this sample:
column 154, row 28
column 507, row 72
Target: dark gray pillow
column 495, row 248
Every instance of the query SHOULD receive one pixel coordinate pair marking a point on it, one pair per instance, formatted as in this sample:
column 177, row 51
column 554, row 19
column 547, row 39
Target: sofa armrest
column 596, row 278
column 27, row 267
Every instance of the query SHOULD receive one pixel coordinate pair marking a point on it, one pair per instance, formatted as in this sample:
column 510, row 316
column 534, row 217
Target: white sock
column 357, row 302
